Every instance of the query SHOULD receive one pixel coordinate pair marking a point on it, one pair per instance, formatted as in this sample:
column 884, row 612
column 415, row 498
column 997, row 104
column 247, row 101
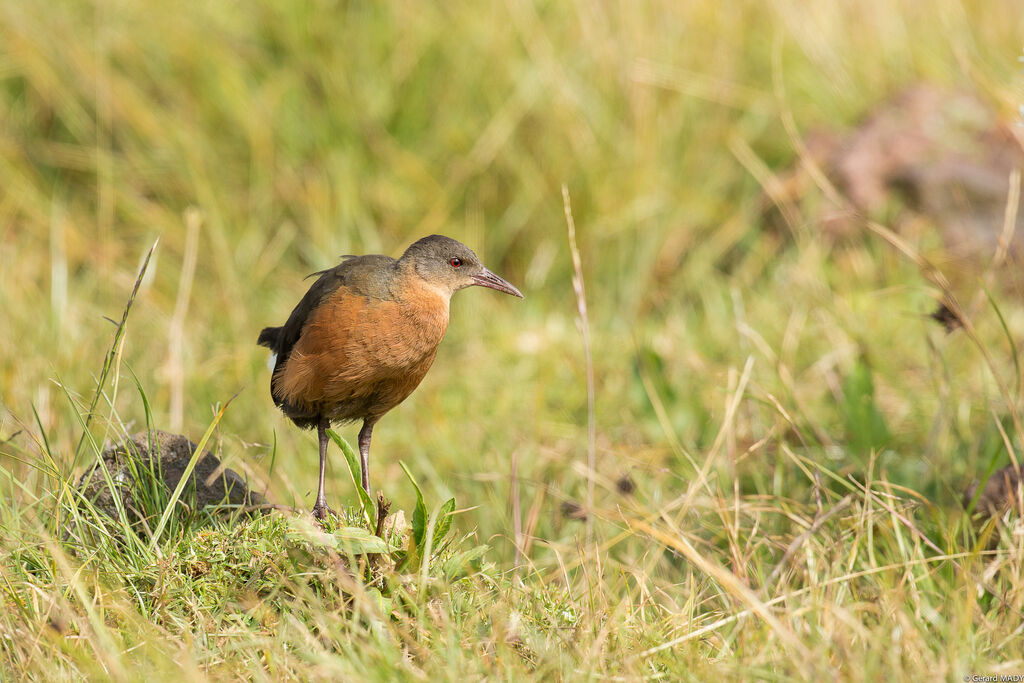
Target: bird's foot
column 321, row 511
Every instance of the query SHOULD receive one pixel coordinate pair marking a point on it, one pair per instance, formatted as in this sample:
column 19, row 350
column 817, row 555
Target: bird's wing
column 363, row 275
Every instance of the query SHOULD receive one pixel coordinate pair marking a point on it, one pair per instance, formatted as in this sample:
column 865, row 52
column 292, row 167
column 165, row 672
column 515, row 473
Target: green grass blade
column 1009, row 340
column 113, row 352
column 198, row 453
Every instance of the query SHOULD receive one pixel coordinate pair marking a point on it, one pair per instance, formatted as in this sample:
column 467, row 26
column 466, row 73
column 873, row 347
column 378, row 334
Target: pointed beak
column 489, row 279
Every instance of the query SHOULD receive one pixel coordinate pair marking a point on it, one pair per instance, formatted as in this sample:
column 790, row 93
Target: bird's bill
column 489, row 279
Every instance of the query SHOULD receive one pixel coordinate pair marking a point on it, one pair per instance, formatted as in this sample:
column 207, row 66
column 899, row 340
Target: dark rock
column 166, row 456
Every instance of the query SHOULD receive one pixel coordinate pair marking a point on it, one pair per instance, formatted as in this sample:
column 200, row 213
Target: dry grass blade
column 584, row 325
column 732, row 584
column 794, row 546
column 176, row 329
column 517, row 515
column 750, row 611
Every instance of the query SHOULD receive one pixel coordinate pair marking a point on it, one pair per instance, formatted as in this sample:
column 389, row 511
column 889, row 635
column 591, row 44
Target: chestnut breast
column 359, row 356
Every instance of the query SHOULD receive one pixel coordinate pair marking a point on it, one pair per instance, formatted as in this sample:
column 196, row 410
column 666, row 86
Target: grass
column 780, row 433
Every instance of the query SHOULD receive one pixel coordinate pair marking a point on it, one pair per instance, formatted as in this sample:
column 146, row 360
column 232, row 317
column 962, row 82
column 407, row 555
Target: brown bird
column 364, row 335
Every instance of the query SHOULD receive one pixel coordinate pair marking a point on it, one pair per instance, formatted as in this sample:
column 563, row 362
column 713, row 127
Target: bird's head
column 449, row 266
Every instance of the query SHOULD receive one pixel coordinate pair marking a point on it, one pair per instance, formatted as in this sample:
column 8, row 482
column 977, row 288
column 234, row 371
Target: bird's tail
column 269, row 337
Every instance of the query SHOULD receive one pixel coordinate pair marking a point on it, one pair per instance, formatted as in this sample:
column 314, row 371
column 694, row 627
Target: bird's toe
column 321, row 512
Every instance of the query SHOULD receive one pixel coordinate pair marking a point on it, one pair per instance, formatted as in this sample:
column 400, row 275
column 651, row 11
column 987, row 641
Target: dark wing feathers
column 268, row 337
column 283, row 338
column 368, row 276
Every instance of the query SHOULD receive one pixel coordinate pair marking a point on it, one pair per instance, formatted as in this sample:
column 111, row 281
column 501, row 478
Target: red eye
column 455, row 261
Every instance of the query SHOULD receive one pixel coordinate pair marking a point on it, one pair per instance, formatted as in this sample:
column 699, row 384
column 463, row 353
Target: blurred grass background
column 265, row 139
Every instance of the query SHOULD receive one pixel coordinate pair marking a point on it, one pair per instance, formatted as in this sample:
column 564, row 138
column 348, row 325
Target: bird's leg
column 364, row 452
column 320, row 508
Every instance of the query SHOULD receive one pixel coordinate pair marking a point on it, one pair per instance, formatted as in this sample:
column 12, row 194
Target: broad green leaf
column 419, row 515
column 355, row 473
column 384, row 604
column 359, row 541
column 444, row 521
column 349, row 540
column 459, row 564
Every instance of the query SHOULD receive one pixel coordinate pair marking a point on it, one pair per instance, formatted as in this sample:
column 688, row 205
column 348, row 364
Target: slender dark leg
column 320, row 509
column 364, row 452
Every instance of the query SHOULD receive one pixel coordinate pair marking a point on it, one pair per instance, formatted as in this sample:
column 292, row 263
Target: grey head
column 450, row 266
